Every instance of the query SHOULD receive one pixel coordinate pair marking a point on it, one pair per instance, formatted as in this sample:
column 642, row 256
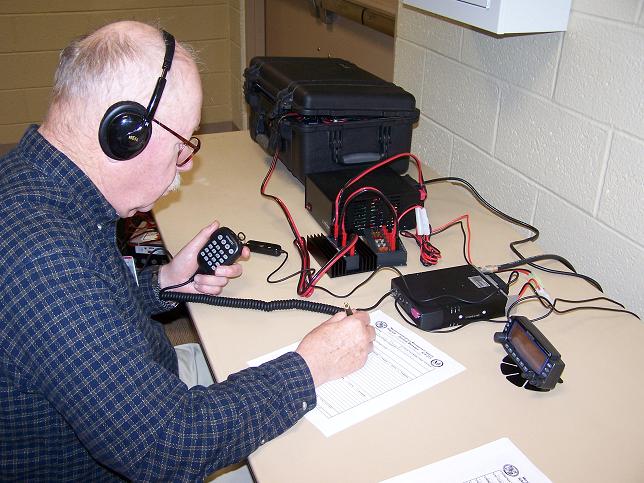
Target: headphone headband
column 126, row 127
column 168, row 39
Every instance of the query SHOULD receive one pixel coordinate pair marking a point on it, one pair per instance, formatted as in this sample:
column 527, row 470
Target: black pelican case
column 327, row 114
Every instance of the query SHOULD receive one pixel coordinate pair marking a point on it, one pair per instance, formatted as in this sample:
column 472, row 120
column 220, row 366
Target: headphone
column 126, row 127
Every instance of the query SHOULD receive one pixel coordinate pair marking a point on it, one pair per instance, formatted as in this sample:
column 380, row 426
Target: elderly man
column 89, row 389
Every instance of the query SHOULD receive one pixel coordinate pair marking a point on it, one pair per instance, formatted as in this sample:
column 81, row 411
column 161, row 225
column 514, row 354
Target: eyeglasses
column 187, row 149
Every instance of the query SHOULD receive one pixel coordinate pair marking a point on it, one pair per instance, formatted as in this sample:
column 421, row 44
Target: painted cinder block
column 622, row 199
column 37, row 101
column 236, row 67
column 11, row 133
column 504, row 188
column 560, row 146
column 24, row 105
column 7, row 34
column 409, row 66
column 198, row 22
column 624, row 10
column 235, row 26
column 38, row 6
column 460, row 99
column 213, row 55
column 32, row 34
column 213, row 92
column 432, row 144
column 47, row 31
column 594, row 249
column 26, row 70
column 559, row 150
column 210, row 114
column 425, row 29
column 602, row 71
column 528, row 61
column 14, row 107
column 238, row 104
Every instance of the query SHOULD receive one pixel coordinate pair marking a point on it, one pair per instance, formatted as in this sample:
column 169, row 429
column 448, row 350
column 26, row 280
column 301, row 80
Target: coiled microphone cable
column 254, row 304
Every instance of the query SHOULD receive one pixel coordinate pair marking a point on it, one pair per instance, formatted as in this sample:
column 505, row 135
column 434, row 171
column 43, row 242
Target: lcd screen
column 527, row 348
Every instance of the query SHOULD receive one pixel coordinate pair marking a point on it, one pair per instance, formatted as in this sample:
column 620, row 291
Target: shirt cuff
column 152, row 279
column 297, row 382
column 304, row 396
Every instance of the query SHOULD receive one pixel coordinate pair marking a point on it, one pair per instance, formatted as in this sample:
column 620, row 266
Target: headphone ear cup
column 124, row 131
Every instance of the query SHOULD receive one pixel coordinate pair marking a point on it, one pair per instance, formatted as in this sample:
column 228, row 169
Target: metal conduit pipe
column 368, row 17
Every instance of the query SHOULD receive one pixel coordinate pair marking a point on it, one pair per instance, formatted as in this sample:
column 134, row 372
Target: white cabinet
column 502, row 16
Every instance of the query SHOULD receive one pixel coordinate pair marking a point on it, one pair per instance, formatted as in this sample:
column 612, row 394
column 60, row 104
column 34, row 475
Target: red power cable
column 422, row 190
column 465, row 217
column 307, row 281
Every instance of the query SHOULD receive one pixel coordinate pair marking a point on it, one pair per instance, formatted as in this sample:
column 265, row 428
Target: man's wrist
column 156, row 288
column 160, row 277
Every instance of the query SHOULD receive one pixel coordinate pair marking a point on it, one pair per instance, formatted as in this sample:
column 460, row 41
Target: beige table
column 590, row 429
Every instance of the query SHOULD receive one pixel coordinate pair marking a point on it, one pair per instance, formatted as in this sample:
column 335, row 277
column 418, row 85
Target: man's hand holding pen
column 338, row 346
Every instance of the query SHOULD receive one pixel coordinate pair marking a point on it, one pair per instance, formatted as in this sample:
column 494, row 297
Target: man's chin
column 174, row 186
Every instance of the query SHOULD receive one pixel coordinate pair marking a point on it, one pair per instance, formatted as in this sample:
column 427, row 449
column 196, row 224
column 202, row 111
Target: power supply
column 366, row 210
column 449, row 297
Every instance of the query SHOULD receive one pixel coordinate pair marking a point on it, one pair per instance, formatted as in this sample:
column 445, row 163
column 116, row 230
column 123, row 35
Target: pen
column 347, row 309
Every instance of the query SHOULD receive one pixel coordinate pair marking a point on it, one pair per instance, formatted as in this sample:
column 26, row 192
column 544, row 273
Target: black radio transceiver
column 538, row 360
column 449, row 297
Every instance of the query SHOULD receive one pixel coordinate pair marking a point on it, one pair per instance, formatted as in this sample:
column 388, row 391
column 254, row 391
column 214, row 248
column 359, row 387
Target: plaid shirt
column 88, row 382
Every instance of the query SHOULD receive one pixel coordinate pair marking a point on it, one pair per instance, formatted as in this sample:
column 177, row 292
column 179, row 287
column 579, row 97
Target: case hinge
column 335, row 143
column 283, row 102
column 385, row 141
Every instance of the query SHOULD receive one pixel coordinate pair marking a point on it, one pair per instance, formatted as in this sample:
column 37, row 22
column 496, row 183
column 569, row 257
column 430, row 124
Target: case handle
column 358, row 158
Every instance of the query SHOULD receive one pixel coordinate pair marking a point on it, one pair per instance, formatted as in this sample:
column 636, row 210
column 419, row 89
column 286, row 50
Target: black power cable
column 522, row 260
column 552, row 305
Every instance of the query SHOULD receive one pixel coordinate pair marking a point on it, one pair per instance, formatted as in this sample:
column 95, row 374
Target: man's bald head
column 106, row 61
column 122, row 62
column 118, row 62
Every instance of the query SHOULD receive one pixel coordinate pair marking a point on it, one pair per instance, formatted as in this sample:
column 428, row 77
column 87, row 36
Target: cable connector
column 489, row 269
column 542, row 292
column 422, row 221
column 264, row 248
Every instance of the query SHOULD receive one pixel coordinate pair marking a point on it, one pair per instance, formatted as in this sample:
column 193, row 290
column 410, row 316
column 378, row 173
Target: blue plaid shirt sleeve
column 88, row 381
column 129, row 412
column 149, row 292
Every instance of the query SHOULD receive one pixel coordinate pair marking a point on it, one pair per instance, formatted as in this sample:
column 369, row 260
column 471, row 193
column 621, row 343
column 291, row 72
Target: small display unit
column 539, row 362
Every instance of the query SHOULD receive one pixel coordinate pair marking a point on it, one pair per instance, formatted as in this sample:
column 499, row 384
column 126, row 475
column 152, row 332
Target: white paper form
column 401, row 365
column 499, row 462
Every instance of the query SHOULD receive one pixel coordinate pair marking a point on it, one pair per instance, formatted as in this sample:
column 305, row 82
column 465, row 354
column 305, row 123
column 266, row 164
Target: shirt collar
column 83, row 194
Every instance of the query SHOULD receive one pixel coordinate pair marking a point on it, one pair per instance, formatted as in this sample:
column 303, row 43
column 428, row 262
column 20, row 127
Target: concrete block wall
column 33, row 33
column 549, row 127
column 237, row 62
